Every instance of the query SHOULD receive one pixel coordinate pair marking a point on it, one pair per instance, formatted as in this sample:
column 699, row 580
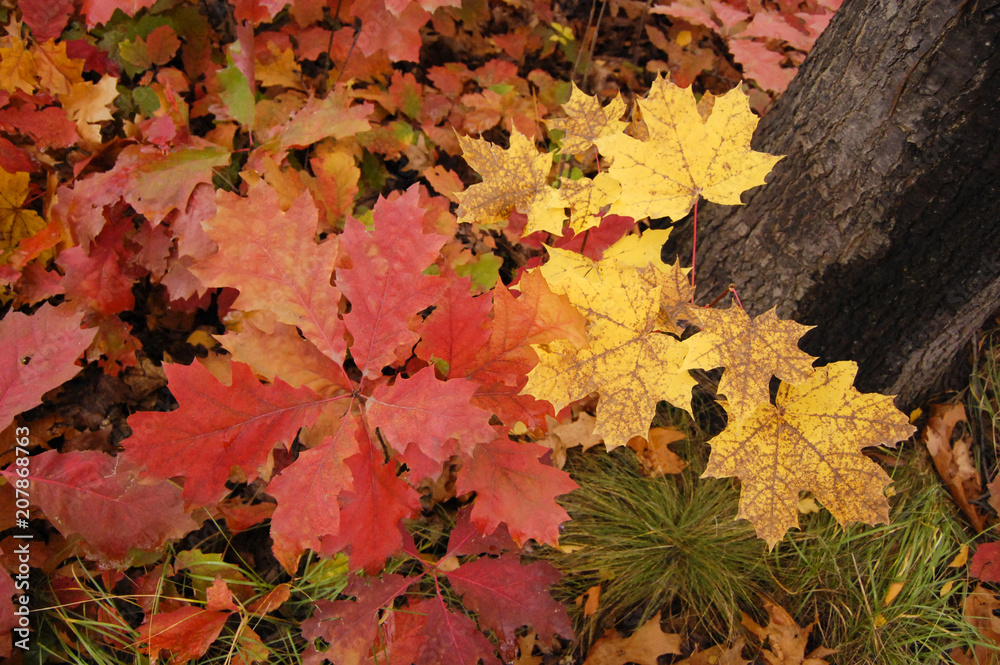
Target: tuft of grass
column 101, row 625
column 652, row 543
column 883, row 594
column 672, row 545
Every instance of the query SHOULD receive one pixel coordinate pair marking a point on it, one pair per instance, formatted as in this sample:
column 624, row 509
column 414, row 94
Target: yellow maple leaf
column 629, row 361
column 17, row 63
column 16, row 222
column 684, row 156
column 587, row 197
column 57, row 72
column 513, row 179
column 587, row 120
column 811, row 440
column 751, row 351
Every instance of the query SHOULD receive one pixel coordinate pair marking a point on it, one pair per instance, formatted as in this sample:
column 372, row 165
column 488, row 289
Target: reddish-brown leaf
column 186, row 633
column 350, row 626
column 100, row 498
column 217, row 428
column 457, row 328
column 451, row 637
column 507, row 595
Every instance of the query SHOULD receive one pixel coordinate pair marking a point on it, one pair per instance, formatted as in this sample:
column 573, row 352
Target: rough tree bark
column 882, row 224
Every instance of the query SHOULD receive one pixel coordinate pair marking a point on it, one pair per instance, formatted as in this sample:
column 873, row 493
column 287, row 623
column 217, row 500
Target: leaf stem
column 694, row 248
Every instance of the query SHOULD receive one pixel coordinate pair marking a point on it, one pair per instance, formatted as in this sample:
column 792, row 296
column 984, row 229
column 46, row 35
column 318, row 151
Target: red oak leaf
column 466, row 539
column 371, row 512
column 46, row 19
column 507, row 595
column 101, row 499
column 38, row 353
column 351, row 626
column 428, row 412
column 99, row 11
column 186, row 633
column 450, row 637
column 271, row 257
column 218, row 427
column 456, row 329
column 510, row 406
column 398, row 35
column 512, row 486
column 159, row 183
column 97, row 277
column 307, row 494
column 384, row 284
column 986, row 562
column 538, row 316
column 48, row 127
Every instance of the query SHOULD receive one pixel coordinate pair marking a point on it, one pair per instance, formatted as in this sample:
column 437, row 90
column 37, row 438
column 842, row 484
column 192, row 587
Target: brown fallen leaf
column 718, row 655
column 980, row 606
column 953, row 460
column 642, row 647
column 562, row 436
column 654, row 455
column 525, row 645
column 786, row 639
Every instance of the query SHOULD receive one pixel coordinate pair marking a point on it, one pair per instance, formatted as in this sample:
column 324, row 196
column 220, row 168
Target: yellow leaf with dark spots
column 751, row 351
column 684, row 156
column 811, row 440
column 587, row 121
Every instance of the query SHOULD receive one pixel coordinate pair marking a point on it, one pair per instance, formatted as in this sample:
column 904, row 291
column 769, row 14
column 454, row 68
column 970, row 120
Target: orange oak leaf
column 38, row 353
column 283, row 354
column 425, row 412
column 307, row 494
column 101, row 499
column 587, row 121
column 159, row 183
column 507, row 595
column 186, row 633
column 752, row 351
column 384, row 283
column 220, row 427
column 332, row 116
column 271, row 257
column 514, row 487
column 810, row 440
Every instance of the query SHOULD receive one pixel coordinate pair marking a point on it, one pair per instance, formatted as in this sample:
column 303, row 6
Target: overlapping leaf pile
column 371, row 355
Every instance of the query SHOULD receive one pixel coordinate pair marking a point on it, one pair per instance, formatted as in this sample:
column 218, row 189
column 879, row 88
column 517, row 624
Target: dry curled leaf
column 643, row 646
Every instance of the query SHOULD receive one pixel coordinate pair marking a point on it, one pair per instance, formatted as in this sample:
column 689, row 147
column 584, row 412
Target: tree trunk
column 882, row 224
